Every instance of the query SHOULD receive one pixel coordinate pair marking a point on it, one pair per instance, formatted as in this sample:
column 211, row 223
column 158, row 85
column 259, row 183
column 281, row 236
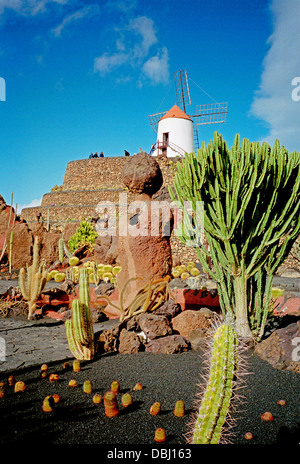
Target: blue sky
column 83, row 76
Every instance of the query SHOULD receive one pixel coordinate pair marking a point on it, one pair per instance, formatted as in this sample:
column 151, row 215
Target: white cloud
column 156, row 68
column 32, row 204
column 106, row 63
column 273, row 102
column 28, row 7
column 87, row 11
column 143, row 26
column 133, row 46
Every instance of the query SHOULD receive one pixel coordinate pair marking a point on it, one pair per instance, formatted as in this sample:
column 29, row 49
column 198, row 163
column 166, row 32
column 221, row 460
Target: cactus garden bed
column 77, row 419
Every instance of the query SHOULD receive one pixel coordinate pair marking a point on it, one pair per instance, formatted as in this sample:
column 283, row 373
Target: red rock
column 129, row 342
column 155, row 326
column 168, row 345
column 189, row 320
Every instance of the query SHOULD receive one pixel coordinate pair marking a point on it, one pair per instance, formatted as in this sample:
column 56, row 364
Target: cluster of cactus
column 213, row 410
column 185, row 270
column 96, row 272
column 246, row 202
column 79, row 329
column 148, row 298
column 104, row 272
column 84, row 235
column 33, row 280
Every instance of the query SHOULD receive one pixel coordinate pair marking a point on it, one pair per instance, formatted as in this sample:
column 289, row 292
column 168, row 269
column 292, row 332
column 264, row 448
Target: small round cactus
column 73, row 261
column 48, row 404
column 281, row 402
column 185, row 275
column 126, row 400
column 160, row 435
column 115, row 387
column 20, row 386
column 73, row 383
column 138, row 386
column 97, row 399
column 11, row 380
column 110, row 404
column 179, row 409
column 267, row 416
column 87, row 387
column 76, row 365
column 56, row 398
column 2, row 389
column 155, row 409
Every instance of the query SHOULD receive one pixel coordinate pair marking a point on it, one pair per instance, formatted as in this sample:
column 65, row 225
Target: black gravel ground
column 76, row 420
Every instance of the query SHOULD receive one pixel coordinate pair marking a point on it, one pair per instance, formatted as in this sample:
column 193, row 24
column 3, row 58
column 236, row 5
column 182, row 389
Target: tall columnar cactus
column 61, row 251
column 10, row 249
column 217, row 397
column 79, row 329
column 33, row 280
column 251, row 200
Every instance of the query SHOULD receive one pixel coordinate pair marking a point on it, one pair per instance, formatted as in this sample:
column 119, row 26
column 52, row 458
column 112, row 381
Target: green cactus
column 10, row 249
column 61, row 251
column 33, row 280
column 251, row 201
column 217, row 397
column 79, row 329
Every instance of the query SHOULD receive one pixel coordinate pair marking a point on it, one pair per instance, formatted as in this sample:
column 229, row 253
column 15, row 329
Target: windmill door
column 165, row 143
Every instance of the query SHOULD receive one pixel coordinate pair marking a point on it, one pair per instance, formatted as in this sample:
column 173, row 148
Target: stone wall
column 88, row 182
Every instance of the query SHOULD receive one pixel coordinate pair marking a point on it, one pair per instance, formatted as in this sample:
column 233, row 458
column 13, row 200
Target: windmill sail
column 211, row 113
column 183, row 96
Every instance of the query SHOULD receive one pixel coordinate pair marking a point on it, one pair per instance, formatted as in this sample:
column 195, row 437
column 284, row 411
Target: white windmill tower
column 176, row 130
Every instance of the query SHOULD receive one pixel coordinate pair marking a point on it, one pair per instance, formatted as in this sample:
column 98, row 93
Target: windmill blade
column 183, row 97
column 154, row 119
column 211, row 113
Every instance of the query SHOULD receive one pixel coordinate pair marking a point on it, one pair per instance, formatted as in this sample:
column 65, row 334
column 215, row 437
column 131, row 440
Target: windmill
column 177, row 132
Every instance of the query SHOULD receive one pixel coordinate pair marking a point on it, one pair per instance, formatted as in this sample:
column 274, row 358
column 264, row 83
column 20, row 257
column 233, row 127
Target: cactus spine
column 79, row 329
column 33, row 280
column 218, row 393
column 250, row 196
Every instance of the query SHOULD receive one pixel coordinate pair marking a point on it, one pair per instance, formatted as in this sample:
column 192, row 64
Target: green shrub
column 84, row 235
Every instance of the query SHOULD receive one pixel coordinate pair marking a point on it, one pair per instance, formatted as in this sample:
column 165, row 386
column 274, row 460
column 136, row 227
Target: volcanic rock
column 169, row 309
column 129, row 342
column 170, row 344
column 193, row 319
column 155, row 326
column 142, row 174
column 282, row 348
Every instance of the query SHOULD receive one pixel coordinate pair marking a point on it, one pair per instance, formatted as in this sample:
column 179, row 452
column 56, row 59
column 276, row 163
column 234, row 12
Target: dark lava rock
column 142, row 174
column 170, row 344
column 155, row 326
column 282, row 349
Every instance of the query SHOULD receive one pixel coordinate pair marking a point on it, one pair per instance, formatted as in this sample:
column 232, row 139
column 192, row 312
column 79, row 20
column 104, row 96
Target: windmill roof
column 175, row 112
